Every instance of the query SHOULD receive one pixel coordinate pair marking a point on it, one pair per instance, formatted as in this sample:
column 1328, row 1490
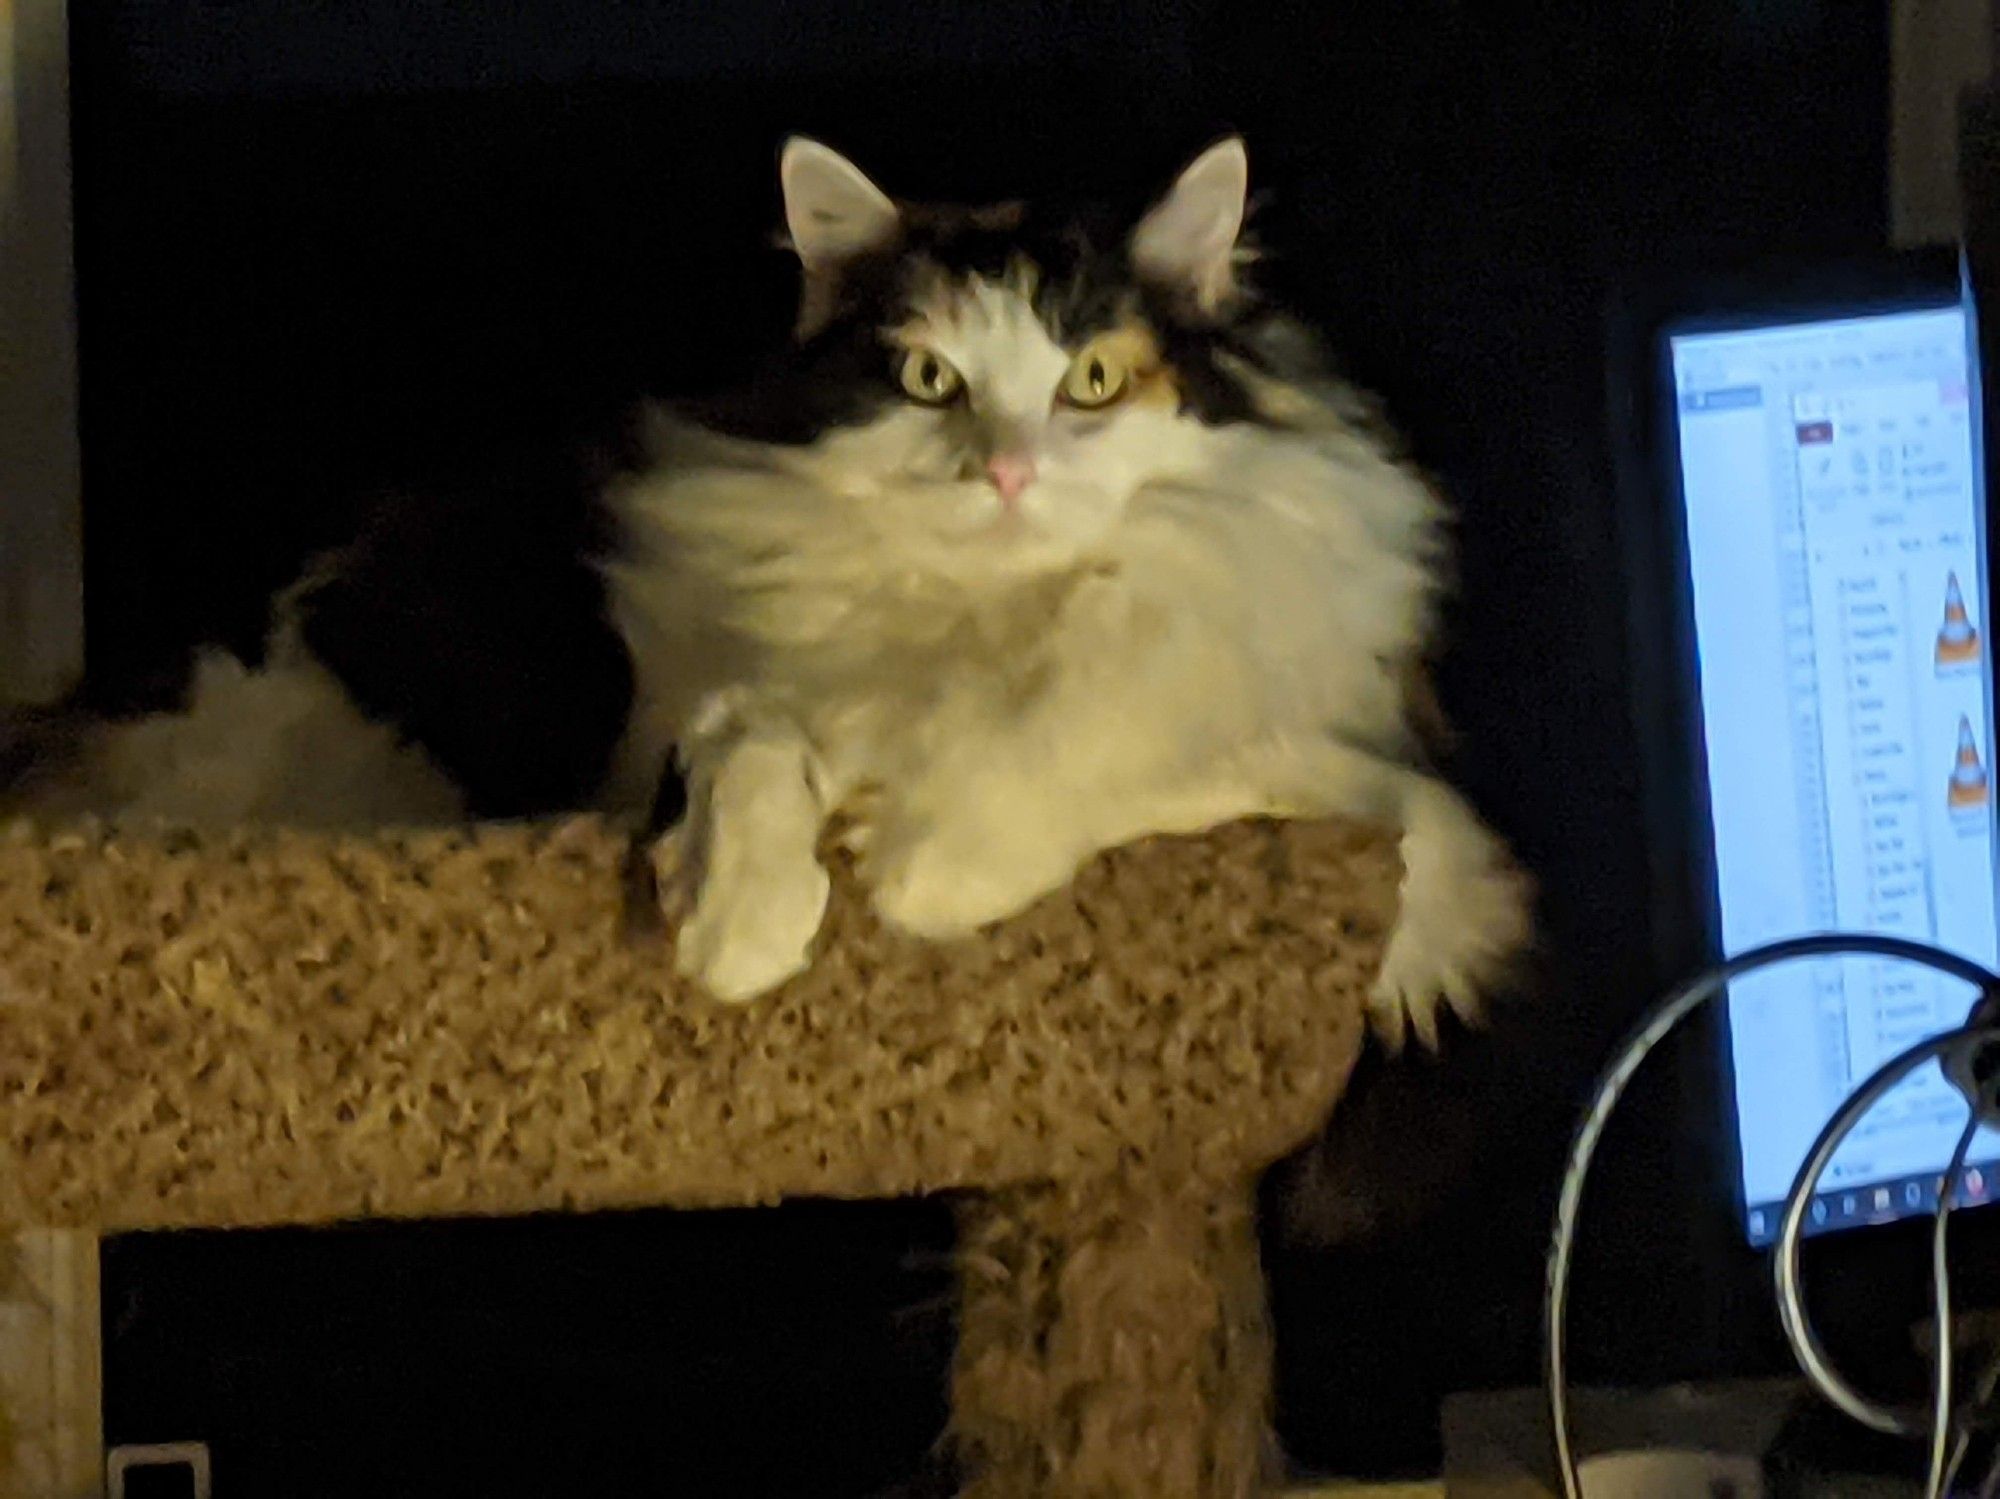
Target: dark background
column 325, row 249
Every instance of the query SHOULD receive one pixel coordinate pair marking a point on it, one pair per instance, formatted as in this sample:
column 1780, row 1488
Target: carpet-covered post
column 1113, row 1342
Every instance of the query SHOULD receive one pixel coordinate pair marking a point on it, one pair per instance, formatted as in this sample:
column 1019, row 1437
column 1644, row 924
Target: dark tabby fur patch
column 475, row 623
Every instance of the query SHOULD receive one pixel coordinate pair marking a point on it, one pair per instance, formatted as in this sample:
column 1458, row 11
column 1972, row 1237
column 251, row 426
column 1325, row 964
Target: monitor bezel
column 1684, row 902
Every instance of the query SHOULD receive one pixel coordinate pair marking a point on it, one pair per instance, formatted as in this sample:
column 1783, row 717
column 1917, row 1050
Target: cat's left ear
column 1188, row 240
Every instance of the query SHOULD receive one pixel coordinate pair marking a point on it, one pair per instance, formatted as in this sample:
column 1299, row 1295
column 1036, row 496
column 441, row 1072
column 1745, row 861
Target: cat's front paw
column 1466, row 919
column 933, row 888
column 748, row 926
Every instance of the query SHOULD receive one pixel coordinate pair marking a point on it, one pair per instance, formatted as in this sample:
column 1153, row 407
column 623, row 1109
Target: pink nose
column 1011, row 473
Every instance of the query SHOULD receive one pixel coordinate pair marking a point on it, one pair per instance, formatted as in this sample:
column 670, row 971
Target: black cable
column 1657, row 1024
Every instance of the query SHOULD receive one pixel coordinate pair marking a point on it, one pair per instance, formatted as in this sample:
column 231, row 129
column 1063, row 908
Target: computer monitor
column 1830, row 481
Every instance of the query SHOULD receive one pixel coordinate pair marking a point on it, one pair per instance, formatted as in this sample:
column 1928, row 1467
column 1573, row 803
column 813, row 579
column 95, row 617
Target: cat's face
column 992, row 390
column 1007, row 431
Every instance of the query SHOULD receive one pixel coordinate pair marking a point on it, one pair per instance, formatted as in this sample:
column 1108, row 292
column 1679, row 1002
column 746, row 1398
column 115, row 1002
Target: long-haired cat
column 1042, row 536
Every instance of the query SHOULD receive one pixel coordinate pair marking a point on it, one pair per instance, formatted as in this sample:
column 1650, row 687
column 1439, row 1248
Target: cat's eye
column 929, row 379
column 1097, row 377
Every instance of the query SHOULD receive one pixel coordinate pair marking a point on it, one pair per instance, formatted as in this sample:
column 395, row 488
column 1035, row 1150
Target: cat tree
column 283, row 1028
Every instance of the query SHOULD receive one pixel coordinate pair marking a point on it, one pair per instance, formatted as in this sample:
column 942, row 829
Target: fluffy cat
column 1042, row 536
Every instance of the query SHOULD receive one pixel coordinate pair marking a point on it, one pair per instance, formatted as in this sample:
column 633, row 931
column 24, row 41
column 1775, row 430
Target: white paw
column 929, row 889
column 751, row 925
column 1466, row 918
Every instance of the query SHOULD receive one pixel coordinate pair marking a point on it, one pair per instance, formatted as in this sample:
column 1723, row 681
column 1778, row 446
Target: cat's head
column 994, row 385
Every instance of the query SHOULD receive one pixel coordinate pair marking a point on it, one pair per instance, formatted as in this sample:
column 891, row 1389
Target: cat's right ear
column 834, row 215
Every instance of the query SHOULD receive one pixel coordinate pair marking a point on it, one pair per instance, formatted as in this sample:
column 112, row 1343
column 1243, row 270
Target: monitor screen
column 1833, row 491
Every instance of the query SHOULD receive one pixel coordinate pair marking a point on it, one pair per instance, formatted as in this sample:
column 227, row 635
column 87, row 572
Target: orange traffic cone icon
column 1957, row 641
column 1968, row 776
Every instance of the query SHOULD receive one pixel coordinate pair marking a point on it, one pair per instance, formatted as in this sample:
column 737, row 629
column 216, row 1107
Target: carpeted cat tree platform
column 283, row 1028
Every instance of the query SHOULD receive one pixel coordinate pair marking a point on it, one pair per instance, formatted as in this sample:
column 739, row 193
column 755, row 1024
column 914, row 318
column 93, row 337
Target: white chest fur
column 999, row 708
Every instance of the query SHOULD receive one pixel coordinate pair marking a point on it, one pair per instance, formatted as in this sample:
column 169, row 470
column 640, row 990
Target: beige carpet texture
column 282, row 1028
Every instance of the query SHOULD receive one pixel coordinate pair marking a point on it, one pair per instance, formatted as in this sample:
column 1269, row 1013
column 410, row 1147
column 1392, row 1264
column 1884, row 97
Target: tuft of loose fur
column 281, row 744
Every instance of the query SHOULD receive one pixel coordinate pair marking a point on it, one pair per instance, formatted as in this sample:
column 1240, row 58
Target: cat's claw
column 676, row 875
column 1465, row 921
column 859, row 819
column 1401, row 1004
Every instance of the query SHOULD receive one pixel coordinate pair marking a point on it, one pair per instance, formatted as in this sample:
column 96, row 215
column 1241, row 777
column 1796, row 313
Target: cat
column 1043, row 535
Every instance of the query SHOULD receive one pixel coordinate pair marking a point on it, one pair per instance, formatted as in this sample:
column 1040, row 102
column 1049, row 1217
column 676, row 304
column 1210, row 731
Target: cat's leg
column 746, row 857
column 994, row 843
column 990, row 844
column 1466, row 908
column 999, row 847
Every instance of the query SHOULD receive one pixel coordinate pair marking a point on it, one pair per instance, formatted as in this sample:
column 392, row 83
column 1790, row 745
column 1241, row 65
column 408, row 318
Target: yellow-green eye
column 1097, row 377
column 928, row 379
